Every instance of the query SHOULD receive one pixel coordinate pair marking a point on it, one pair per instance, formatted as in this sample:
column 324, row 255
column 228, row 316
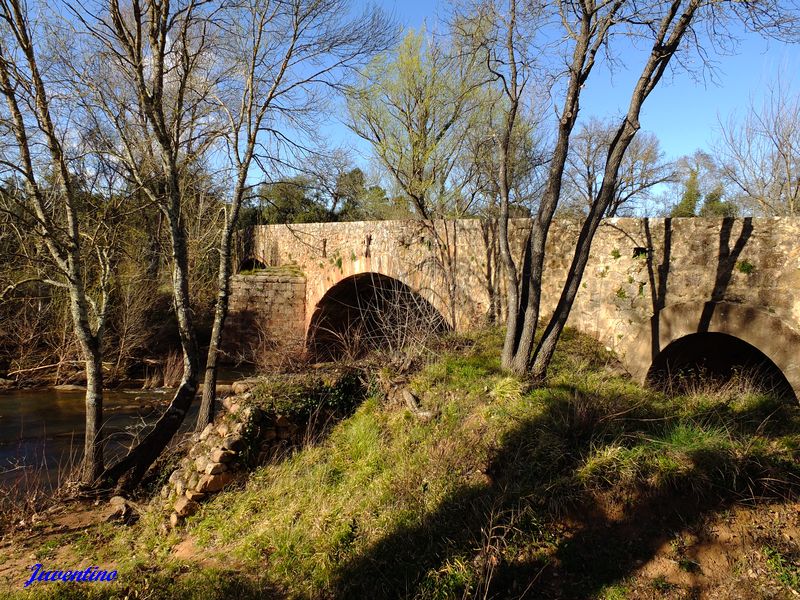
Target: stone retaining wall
column 265, row 305
column 263, row 418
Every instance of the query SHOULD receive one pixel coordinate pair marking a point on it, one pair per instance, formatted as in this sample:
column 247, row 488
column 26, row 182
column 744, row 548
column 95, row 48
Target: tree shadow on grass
column 503, row 528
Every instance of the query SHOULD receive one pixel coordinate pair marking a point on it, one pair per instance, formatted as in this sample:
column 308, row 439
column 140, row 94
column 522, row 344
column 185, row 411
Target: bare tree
column 150, row 108
column 281, row 60
column 760, row 154
column 589, row 28
column 502, row 34
column 670, row 27
column 643, row 167
column 52, row 204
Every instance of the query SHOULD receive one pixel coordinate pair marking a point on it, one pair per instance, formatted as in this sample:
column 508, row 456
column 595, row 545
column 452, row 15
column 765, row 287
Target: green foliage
column 715, row 206
column 292, row 201
column 303, row 199
column 746, row 267
column 615, row 254
column 414, row 106
column 783, row 567
column 338, row 390
column 691, row 196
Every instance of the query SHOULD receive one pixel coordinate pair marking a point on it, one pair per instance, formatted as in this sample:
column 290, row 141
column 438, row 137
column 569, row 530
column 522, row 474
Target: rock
column 214, row 483
column 201, row 462
column 180, row 487
column 425, row 415
column 122, row 510
column 243, row 386
column 233, row 442
column 207, row 431
column 214, row 468
column 228, row 402
column 174, row 520
column 410, row 399
column 185, row 507
column 223, row 429
column 194, row 495
column 173, row 478
column 68, row 387
column 165, row 490
column 196, row 450
column 192, row 482
column 239, row 428
column 222, row 456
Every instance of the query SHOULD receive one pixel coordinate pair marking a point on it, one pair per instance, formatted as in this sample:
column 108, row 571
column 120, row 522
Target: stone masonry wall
column 648, row 281
column 266, row 305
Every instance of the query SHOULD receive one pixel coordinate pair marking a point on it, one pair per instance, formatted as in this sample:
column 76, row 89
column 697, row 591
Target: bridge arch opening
column 251, row 264
column 370, row 311
column 698, row 360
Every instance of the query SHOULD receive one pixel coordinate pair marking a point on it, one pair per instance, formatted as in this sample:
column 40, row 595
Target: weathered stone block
column 214, row 483
column 207, row 431
column 219, row 455
column 185, row 507
column 214, row 468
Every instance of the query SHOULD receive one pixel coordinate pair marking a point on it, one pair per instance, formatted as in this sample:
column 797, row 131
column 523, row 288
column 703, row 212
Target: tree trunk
column 126, row 474
column 664, row 46
column 92, row 465
column 206, row 414
column 522, row 322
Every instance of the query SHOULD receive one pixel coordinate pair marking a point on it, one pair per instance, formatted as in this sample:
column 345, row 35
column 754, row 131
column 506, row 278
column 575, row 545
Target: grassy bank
column 569, row 490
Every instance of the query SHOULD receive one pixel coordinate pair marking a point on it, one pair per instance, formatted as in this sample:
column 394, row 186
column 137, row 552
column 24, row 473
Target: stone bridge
column 654, row 291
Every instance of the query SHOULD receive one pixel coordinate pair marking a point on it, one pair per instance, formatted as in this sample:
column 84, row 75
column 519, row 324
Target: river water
column 41, row 431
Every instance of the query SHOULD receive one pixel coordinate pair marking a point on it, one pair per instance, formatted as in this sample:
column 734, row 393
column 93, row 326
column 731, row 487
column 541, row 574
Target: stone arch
column 760, row 329
column 365, row 311
column 339, row 269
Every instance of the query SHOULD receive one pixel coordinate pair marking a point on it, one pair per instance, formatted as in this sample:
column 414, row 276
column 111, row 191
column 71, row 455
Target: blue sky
column 682, row 112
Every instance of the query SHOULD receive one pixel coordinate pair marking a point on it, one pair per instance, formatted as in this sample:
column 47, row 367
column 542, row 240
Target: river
column 41, row 431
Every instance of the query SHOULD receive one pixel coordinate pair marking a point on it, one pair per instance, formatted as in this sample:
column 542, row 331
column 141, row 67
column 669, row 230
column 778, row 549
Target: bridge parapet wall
column 637, row 269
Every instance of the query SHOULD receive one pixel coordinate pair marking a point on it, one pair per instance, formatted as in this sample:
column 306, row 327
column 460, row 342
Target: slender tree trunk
column 62, row 240
column 92, row 465
column 127, row 473
column 668, row 38
column 589, row 36
column 206, row 414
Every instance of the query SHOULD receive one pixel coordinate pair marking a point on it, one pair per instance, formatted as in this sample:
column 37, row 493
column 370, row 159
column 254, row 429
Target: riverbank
column 586, row 487
column 41, row 432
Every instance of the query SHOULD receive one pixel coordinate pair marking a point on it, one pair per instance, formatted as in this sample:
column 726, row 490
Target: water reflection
column 41, row 431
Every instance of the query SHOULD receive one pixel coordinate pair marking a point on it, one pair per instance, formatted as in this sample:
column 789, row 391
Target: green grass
column 785, row 570
column 472, row 501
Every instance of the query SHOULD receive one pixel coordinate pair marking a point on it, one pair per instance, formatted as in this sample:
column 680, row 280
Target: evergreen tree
column 691, row 196
column 715, row 206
